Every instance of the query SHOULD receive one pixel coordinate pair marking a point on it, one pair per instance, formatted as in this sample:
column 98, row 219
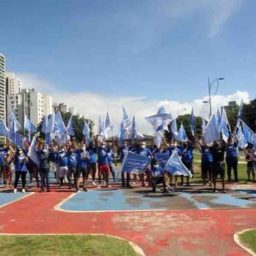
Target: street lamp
column 210, row 84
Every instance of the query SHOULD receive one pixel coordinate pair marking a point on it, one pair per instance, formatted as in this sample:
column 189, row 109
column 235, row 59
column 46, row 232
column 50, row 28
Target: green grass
column 248, row 239
column 64, row 245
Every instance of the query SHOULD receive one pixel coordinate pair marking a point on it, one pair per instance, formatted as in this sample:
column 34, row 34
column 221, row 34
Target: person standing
column 72, row 166
column 232, row 154
column 93, row 162
column 103, row 163
column 249, row 157
column 20, row 169
column 111, row 161
column 44, row 157
column 62, row 165
column 83, row 159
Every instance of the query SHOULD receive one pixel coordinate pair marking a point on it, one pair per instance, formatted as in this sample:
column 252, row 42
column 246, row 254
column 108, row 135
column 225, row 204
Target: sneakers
column 93, row 183
column 15, row 190
column 23, row 190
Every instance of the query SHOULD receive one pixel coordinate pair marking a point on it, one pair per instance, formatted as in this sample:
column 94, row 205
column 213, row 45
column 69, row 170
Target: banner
column 175, row 167
column 133, row 162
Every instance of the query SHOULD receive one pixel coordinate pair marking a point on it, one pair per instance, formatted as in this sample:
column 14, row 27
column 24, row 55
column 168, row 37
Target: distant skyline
column 136, row 53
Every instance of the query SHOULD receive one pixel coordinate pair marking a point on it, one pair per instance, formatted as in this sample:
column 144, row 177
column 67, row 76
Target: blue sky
column 156, row 49
column 144, row 48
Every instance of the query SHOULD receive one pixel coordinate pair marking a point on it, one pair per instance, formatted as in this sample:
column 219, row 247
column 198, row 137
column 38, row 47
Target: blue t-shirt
column 3, row 152
column 110, row 156
column 72, row 159
column 144, row 152
column 206, row 155
column 157, row 171
column 83, row 159
column 19, row 164
column 102, row 156
column 63, row 159
column 122, row 152
column 162, row 156
column 187, row 155
column 93, row 155
column 232, row 151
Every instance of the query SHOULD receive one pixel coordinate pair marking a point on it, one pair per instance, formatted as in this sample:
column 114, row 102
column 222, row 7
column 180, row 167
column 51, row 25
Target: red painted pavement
column 181, row 232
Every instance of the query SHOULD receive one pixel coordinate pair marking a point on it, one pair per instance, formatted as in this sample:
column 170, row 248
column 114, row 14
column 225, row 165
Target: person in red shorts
column 103, row 163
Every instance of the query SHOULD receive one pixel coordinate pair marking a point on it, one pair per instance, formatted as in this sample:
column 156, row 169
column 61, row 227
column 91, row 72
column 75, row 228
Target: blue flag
column 249, row 135
column 242, row 142
column 160, row 120
column 224, row 127
column 134, row 132
column 32, row 153
column 59, row 131
column 174, row 130
column 211, row 132
column 13, row 124
column 70, row 129
column 240, row 111
column 86, row 132
column 28, row 125
column 134, row 162
column 182, row 136
column 108, row 125
column 175, row 167
column 4, row 131
column 192, row 122
column 158, row 139
column 203, row 126
column 45, row 124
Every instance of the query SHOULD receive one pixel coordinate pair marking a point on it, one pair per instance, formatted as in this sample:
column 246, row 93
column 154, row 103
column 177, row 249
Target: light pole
column 210, row 84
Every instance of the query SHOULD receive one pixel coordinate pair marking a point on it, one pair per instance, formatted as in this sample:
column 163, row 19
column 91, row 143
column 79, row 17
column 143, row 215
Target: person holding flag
column 157, row 176
column 103, row 163
column 187, row 158
column 111, row 159
column 93, row 161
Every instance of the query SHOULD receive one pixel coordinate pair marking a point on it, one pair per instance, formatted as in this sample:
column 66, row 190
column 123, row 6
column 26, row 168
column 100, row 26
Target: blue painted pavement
column 6, row 198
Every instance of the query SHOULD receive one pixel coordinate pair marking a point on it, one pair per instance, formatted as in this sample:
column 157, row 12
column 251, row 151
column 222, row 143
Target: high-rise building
column 31, row 103
column 13, row 83
column 2, row 88
column 62, row 107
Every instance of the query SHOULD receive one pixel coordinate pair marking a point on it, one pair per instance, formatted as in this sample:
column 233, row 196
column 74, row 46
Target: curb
column 238, row 242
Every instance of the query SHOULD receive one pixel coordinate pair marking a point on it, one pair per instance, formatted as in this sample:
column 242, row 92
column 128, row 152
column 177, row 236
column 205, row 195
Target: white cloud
column 93, row 105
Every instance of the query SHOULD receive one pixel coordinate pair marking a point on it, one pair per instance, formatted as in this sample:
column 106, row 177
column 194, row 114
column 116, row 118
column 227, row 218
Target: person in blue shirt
column 123, row 149
column 206, row 162
column 93, row 161
column 187, row 158
column 83, row 163
column 144, row 151
column 72, row 166
column 20, row 169
column 232, row 154
column 157, row 176
column 103, row 163
column 162, row 154
column 62, row 159
column 111, row 159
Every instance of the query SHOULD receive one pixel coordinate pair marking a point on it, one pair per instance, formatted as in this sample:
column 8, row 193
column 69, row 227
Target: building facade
column 64, row 108
column 2, row 88
column 31, row 103
column 13, row 83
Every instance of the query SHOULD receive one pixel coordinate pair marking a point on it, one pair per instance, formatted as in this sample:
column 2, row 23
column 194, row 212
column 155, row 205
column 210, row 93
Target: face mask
column 143, row 146
column 83, row 148
column 156, row 165
column 103, row 146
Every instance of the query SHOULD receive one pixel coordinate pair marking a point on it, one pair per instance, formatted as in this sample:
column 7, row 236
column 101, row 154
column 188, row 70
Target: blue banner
column 133, row 162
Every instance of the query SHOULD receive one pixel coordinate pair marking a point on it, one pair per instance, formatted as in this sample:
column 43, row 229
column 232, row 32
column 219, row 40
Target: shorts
column 207, row 168
column 250, row 167
column 62, row 171
column 219, row 170
column 84, row 171
column 103, row 169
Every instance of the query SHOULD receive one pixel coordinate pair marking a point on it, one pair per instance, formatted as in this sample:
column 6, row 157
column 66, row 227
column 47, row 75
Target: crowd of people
column 76, row 164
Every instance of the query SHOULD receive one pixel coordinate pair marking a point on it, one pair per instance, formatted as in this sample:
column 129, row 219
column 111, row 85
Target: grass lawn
column 248, row 239
column 63, row 245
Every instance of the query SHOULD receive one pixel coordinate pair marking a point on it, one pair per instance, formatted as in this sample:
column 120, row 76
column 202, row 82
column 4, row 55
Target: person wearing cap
column 103, row 163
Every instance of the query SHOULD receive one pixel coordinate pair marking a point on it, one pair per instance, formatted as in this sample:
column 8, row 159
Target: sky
column 99, row 55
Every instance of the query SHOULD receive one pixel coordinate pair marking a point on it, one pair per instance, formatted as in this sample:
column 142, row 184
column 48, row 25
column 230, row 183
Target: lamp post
column 210, row 84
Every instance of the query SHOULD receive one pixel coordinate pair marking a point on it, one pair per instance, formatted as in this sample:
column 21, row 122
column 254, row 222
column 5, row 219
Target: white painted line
column 138, row 250
column 238, row 241
column 18, row 199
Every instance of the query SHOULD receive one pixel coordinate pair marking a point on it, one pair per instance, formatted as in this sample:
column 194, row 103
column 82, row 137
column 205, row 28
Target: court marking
column 239, row 243
column 18, row 199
